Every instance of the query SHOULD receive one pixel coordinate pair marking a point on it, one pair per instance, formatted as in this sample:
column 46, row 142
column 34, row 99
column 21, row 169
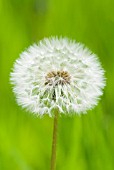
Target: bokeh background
column 84, row 143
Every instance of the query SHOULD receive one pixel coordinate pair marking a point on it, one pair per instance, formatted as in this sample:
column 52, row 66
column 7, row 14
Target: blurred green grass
column 84, row 143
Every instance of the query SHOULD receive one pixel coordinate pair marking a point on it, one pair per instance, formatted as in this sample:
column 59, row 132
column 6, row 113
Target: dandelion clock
column 57, row 76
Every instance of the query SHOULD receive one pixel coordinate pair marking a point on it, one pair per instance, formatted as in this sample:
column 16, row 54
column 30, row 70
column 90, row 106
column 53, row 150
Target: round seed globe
column 57, row 73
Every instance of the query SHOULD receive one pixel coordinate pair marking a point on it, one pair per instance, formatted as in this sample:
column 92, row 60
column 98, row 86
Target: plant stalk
column 54, row 142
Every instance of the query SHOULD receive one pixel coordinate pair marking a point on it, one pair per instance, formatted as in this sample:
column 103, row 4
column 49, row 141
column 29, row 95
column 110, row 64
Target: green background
column 84, row 142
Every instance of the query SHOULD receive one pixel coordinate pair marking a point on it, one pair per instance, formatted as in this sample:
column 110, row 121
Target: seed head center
column 57, row 78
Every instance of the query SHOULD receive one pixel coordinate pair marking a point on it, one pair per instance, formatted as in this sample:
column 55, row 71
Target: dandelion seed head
column 57, row 73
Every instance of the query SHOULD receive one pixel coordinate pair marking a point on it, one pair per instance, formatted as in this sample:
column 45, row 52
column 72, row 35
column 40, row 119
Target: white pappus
column 57, row 73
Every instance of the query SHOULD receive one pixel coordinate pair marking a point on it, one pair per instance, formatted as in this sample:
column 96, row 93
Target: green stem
column 54, row 143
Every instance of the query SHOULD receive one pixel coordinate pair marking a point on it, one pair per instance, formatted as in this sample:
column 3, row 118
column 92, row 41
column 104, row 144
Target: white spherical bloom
column 57, row 73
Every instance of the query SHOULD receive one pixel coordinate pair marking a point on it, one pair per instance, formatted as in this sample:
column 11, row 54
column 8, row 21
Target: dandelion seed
column 57, row 73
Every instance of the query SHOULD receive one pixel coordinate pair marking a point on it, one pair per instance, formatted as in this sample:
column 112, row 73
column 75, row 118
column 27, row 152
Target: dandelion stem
column 54, row 142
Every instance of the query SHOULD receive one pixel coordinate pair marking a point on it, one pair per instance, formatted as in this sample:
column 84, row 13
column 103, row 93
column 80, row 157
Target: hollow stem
column 54, row 142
